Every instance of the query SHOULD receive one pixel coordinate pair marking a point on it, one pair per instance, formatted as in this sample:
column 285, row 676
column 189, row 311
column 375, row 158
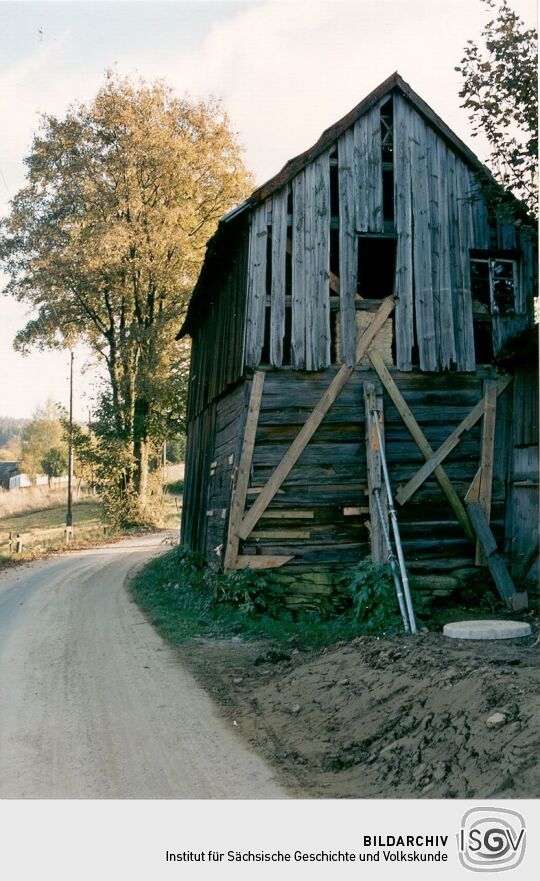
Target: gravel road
column 93, row 704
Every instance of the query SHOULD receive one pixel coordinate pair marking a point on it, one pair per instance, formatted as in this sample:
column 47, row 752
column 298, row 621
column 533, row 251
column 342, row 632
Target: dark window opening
column 334, row 189
column 376, row 267
column 265, row 356
column 334, row 329
column 287, row 340
column 334, row 251
column 388, row 194
column 494, row 283
column 483, row 340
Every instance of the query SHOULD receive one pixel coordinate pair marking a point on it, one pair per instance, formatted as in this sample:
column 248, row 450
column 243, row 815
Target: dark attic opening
column 376, row 266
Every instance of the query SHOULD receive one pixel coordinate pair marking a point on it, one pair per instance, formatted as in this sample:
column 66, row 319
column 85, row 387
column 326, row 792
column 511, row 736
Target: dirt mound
column 400, row 717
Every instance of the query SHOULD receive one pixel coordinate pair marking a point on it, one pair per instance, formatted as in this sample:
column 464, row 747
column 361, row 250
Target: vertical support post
column 238, row 502
column 487, row 456
column 69, row 512
column 373, row 400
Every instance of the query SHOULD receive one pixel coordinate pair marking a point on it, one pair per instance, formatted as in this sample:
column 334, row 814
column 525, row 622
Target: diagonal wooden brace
column 404, row 494
column 422, row 443
column 314, row 420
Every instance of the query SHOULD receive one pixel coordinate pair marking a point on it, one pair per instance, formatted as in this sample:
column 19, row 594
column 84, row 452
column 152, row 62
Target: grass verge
column 183, row 600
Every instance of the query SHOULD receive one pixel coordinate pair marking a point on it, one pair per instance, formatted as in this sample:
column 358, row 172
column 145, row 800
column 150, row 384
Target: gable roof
column 216, row 263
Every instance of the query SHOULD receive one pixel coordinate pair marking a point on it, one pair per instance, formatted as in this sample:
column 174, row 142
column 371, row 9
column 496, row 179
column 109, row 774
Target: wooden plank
column 465, row 239
column 311, row 425
column 375, row 193
column 361, row 173
column 474, row 490
column 348, row 247
column 487, row 455
column 495, row 563
column 298, row 332
column 355, row 512
column 256, row 287
column 405, row 492
column 419, row 438
column 242, row 478
column 260, row 561
column 283, row 514
column 422, row 250
column 285, row 534
column 277, row 290
column 404, row 324
column 374, row 401
column 447, row 346
column 318, row 331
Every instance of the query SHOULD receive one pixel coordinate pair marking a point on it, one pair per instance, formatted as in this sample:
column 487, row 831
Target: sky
column 285, row 70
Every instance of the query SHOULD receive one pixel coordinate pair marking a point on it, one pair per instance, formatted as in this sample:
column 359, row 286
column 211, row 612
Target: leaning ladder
column 401, row 579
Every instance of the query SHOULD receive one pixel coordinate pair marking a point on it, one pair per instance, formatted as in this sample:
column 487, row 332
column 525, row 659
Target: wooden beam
column 238, row 502
column 488, row 452
column 404, row 494
column 259, row 561
column 374, row 401
column 282, row 514
column 286, row 534
column 312, row 423
column 495, row 562
column 422, row 443
column 474, row 490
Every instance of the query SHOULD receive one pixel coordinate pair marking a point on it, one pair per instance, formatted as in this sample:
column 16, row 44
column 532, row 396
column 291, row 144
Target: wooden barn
column 369, row 273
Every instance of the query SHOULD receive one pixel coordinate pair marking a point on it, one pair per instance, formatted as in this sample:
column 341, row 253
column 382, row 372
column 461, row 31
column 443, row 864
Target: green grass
column 86, row 512
column 179, row 600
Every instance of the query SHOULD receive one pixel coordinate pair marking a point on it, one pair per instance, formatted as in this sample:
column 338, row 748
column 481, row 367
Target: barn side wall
column 213, row 449
column 217, row 349
column 523, row 511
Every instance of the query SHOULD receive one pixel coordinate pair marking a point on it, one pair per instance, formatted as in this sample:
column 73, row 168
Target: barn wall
column 212, row 453
column 307, row 518
column 523, row 509
column 217, row 352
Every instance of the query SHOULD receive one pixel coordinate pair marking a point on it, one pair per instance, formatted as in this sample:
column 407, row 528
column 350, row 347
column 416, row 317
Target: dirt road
column 93, row 704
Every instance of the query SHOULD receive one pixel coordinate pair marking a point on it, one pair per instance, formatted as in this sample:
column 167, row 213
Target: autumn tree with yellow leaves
column 106, row 239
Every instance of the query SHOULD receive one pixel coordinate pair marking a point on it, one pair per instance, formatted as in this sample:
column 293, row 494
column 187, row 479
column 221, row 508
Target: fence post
column 18, row 544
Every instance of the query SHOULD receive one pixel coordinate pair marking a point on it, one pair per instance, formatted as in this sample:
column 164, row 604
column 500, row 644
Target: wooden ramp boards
column 495, row 563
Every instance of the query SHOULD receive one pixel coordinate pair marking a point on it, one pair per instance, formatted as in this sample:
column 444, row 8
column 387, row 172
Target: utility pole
column 69, row 512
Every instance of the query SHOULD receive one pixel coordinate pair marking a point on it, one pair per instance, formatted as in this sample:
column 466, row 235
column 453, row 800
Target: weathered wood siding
column 439, row 217
column 217, row 349
column 523, row 509
column 310, row 516
column 212, row 453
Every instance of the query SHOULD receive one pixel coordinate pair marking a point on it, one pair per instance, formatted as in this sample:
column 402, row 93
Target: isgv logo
column 491, row 840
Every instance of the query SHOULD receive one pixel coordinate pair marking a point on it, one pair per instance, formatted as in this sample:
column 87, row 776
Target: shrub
column 370, row 593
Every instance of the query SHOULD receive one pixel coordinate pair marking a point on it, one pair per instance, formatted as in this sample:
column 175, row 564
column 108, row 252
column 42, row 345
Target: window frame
column 491, row 258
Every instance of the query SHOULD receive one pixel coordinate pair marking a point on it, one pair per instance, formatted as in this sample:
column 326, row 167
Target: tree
column 54, row 463
column 500, row 91
column 43, row 433
column 106, row 239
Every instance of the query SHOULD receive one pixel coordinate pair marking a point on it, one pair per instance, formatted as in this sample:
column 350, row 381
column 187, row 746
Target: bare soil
column 403, row 717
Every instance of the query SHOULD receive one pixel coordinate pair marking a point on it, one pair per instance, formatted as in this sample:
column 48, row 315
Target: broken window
column 494, row 284
column 376, row 266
